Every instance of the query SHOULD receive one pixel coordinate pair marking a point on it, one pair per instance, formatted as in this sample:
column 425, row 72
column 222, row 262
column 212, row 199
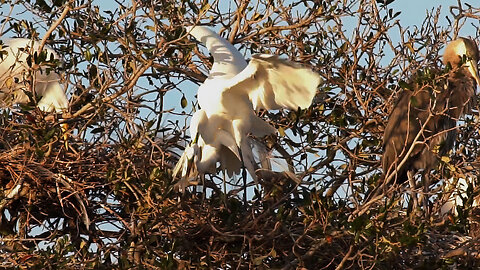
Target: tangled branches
column 104, row 196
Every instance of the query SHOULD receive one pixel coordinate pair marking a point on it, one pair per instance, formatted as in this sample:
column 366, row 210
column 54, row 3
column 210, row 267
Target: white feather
column 14, row 71
column 231, row 93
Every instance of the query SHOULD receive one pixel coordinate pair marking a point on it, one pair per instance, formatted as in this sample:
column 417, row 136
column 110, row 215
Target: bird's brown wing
column 405, row 122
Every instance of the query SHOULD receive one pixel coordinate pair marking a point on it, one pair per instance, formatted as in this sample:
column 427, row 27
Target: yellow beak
column 473, row 68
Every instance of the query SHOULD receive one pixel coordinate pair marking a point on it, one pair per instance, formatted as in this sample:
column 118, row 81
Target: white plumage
column 14, row 72
column 228, row 99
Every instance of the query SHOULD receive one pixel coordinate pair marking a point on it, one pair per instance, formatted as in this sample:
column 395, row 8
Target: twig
column 344, row 260
column 54, row 26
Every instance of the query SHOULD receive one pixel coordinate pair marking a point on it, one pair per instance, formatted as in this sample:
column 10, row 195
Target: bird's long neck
column 462, row 88
column 227, row 59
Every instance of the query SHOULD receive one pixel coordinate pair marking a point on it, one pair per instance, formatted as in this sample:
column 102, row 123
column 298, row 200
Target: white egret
column 228, row 99
column 14, row 77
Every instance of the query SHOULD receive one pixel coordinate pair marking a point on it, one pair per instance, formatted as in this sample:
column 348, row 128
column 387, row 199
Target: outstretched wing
column 274, row 83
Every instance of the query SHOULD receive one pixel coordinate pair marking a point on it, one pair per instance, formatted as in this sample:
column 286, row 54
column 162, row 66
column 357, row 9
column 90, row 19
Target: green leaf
column 88, row 55
column 405, row 85
column 183, row 102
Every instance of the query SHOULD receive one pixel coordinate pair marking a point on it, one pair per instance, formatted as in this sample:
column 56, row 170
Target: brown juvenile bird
column 425, row 117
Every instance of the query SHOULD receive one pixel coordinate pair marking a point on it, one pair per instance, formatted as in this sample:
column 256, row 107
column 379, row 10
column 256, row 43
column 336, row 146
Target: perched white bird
column 14, row 73
column 228, row 99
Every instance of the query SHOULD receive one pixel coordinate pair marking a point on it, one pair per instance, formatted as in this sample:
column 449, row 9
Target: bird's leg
column 411, row 182
column 238, row 126
column 224, row 178
column 204, row 187
column 426, row 190
column 244, row 176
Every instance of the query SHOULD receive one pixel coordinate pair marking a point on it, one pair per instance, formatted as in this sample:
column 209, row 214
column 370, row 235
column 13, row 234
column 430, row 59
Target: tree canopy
column 104, row 197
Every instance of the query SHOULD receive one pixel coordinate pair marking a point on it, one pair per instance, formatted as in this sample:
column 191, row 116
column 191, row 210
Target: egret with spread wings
column 228, row 99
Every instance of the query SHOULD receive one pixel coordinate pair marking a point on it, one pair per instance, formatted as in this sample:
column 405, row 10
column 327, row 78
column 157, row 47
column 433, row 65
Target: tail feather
column 186, row 167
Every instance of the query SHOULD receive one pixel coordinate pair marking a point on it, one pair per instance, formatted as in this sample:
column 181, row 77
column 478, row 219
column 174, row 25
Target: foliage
column 105, row 198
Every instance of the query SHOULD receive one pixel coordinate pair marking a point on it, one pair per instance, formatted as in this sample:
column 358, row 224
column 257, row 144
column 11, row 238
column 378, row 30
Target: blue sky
column 414, row 11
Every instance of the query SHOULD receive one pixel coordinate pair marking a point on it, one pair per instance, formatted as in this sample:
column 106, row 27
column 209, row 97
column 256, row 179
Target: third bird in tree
column 422, row 126
column 15, row 56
